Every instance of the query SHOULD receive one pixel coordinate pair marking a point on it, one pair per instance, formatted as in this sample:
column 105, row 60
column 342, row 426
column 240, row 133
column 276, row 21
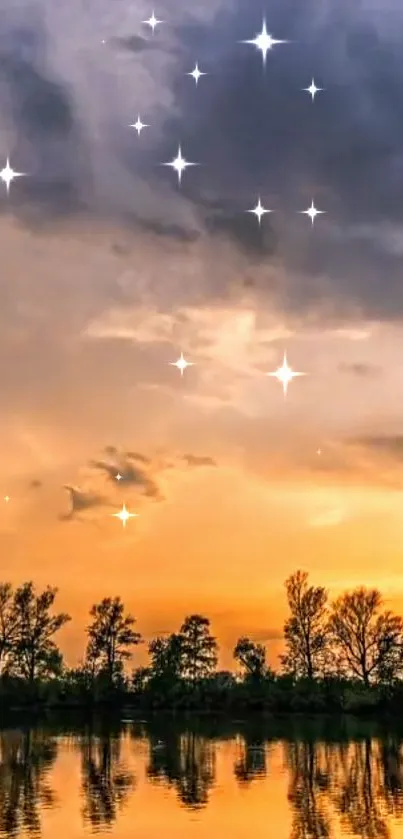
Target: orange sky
column 82, row 371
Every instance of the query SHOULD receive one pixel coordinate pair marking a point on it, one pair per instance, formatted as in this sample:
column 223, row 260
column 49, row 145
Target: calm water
column 286, row 780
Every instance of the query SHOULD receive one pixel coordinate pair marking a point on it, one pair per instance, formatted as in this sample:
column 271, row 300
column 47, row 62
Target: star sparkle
column 181, row 364
column 123, row 515
column 285, row 374
column 259, row 211
column 196, row 74
column 179, row 164
column 312, row 212
column 139, row 125
column 264, row 42
column 118, row 477
column 152, row 22
column 7, row 175
column 312, row 89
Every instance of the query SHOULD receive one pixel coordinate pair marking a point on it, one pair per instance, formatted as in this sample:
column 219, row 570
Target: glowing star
column 179, row 164
column 181, row 364
column 7, row 175
column 259, row 211
column 124, row 515
column 139, row 125
column 196, row 73
column 312, row 212
column 312, row 89
column 152, row 22
column 118, row 477
column 6, row 498
column 285, row 375
column 264, row 41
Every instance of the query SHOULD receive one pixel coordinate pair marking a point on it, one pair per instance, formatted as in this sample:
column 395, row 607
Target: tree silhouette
column 166, row 657
column 110, row 637
column 305, row 631
column 251, row 657
column 8, row 623
column 34, row 654
column 164, row 676
column 368, row 645
column 328, row 648
column 199, row 648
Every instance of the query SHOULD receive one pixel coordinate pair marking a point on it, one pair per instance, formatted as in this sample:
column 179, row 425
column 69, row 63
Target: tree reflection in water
column 106, row 782
column 308, row 787
column 185, row 761
column 250, row 762
column 338, row 786
column 26, row 757
column 358, row 784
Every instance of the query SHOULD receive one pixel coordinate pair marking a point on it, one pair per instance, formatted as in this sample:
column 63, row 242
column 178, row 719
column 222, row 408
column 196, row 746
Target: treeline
column 344, row 655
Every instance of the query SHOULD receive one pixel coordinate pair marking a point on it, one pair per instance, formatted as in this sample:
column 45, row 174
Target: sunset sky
column 109, row 271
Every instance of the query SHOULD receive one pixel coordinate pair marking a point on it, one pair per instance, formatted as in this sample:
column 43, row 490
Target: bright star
column 139, row 125
column 285, row 375
column 312, row 212
column 124, row 515
column 264, row 41
column 196, row 73
column 181, row 364
column 8, row 174
column 152, row 22
column 312, row 90
column 179, row 164
column 6, row 498
column 259, row 211
column 118, row 477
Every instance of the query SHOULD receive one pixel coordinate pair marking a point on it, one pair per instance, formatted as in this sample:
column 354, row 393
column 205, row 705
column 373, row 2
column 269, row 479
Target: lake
column 286, row 779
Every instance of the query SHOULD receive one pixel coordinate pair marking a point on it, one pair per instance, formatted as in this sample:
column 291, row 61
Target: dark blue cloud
column 253, row 131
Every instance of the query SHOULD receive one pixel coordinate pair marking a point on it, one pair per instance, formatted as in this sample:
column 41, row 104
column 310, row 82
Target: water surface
column 286, row 780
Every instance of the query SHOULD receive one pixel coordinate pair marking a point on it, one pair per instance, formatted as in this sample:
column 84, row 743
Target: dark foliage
column 340, row 657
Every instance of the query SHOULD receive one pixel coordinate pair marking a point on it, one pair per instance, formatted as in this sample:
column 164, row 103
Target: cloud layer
column 68, row 98
column 110, row 271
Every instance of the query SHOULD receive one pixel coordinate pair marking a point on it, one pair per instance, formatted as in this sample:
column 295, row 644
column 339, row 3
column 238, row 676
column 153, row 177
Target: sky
column 110, row 270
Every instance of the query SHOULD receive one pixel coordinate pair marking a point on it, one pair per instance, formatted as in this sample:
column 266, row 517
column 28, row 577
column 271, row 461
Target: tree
column 166, row 657
column 8, row 623
column 199, row 648
column 140, row 679
column 368, row 644
column 251, row 657
column 110, row 636
column 34, row 654
column 305, row 631
column 164, row 684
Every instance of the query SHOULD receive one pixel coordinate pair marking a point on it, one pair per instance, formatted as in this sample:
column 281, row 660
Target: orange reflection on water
column 162, row 780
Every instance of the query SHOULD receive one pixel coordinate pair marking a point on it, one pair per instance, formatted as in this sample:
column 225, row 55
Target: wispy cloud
column 81, row 500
